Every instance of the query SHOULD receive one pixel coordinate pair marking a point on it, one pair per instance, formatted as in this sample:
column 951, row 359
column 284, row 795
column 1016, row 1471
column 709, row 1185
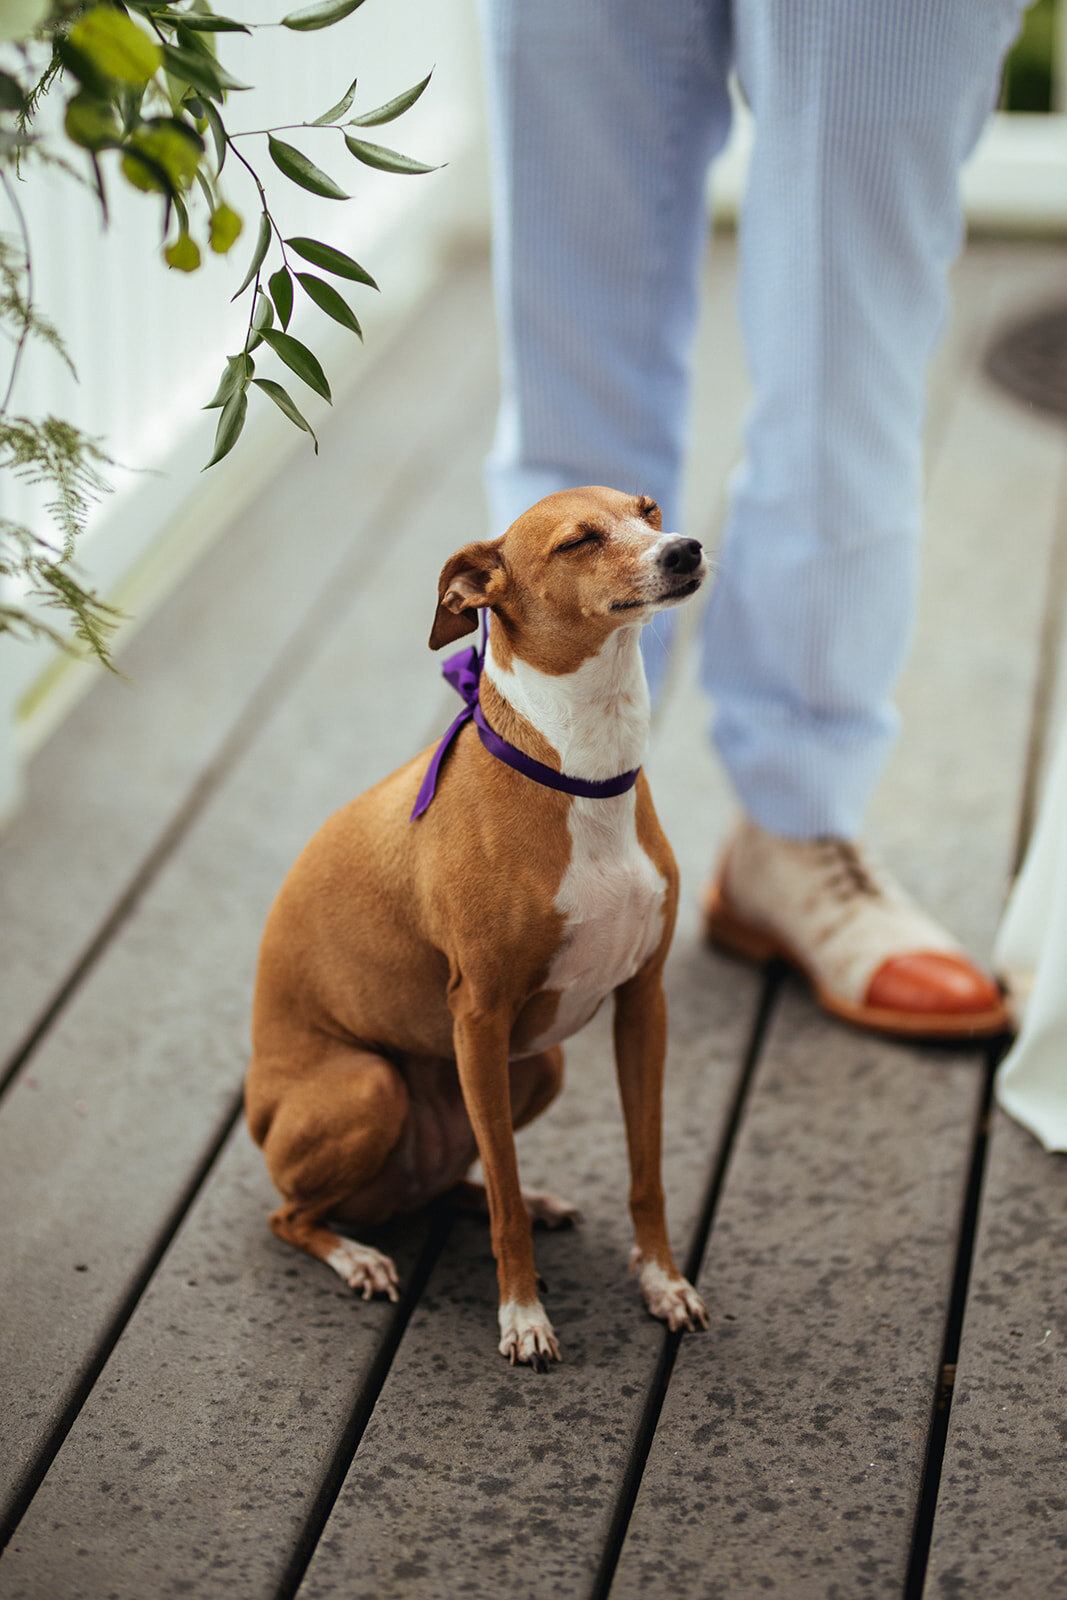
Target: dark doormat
column 1029, row 359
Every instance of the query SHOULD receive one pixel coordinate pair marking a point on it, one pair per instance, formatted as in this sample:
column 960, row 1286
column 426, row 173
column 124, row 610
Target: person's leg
column 603, row 116
column 865, row 110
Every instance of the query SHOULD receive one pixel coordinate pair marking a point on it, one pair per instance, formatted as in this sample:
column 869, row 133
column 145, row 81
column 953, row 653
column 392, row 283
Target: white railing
column 149, row 343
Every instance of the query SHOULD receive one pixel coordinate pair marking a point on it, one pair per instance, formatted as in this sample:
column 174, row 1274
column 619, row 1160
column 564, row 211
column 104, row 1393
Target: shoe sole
column 730, row 932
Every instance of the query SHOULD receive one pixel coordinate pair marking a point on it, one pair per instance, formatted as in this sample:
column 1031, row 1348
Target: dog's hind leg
column 327, row 1129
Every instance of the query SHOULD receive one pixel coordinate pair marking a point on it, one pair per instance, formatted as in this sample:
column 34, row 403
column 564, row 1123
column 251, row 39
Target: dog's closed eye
column 587, row 534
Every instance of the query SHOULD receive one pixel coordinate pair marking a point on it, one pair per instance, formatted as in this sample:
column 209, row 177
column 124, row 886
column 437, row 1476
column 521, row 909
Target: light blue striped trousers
column 605, row 115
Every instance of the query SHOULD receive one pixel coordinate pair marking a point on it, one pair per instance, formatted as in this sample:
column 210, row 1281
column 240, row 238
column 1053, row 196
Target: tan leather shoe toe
column 929, row 980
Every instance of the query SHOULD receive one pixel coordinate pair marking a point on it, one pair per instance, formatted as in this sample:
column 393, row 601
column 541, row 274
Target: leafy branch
column 148, row 98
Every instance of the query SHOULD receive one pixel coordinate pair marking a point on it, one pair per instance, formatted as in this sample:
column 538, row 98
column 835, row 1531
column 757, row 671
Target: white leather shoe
column 871, row 955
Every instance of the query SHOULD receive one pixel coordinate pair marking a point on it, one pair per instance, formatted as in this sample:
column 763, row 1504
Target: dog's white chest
column 612, row 898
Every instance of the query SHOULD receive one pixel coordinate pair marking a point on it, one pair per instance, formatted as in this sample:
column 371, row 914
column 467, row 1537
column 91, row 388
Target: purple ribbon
column 463, row 671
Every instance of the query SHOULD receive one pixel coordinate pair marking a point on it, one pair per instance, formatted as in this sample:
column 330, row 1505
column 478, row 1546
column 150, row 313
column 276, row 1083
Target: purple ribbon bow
column 463, row 671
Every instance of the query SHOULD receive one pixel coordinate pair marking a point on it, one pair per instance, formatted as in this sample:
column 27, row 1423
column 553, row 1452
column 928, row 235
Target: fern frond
column 29, row 559
column 60, row 456
column 16, row 308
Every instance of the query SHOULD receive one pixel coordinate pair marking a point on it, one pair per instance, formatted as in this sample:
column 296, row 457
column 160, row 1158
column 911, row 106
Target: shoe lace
column 851, row 870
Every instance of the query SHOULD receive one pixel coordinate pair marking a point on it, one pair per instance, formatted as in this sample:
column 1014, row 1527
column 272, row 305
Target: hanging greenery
column 148, row 100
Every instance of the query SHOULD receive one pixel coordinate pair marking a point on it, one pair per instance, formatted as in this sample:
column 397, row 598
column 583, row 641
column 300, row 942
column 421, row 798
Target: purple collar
column 463, row 671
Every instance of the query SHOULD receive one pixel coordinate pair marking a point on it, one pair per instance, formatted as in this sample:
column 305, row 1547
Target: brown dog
column 417, row 976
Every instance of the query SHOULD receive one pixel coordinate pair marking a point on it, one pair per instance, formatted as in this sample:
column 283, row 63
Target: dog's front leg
column 640, row 1054
column 481, row 1044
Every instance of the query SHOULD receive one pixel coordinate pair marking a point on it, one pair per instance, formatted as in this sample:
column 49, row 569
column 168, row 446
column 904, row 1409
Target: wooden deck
column 190, row 1408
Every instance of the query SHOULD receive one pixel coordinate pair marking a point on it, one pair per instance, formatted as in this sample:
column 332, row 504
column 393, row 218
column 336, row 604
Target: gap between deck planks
column 101, row 1514
column 999, row 1526
column 795, row 1463
column 154, row 1044
column 159, row 1481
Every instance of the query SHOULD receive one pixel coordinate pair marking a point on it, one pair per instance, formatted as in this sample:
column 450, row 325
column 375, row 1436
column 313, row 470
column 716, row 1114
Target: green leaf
column 302, row 171
column 205, row 189
column 231, row 422
column 235, row 372
column 87, row 73
column 391, row 108
column 283, row 401
column 376, row 155
column 262, row 317
column 172, row 144
column 207, row 22
column 146, row 173
column 12, row 98
column 226, row 228
column 327, row 299
column 281, row 292
column 184, row 254
column 90, row 122
column 116, row 45
column 321, row 16
column 258, row 254
column 299, row 358
column 199, row 69
column 198, row 44
column 331, row 260
column 218, row 133
column 179, row 205
column 338, row 110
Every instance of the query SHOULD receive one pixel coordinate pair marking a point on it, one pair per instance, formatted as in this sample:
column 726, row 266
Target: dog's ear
column 472, row 578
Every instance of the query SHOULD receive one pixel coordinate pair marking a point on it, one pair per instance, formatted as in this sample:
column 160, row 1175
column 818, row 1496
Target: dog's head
column 572, row 569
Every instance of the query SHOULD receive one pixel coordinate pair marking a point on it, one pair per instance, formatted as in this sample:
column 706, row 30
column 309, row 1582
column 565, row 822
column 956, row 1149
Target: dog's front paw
column 669, row 1296
column 526, row 1336
column 364, row 1268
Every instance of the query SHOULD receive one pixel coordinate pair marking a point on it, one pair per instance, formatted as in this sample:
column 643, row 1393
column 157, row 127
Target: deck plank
column 193, row 1465
column 153, row 1048
column 965, row 696
column 1001, row 1526
column 102, row 795
column 790, row 1451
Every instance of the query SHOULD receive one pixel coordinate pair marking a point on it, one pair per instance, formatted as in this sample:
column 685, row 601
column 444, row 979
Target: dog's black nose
column 681, row 556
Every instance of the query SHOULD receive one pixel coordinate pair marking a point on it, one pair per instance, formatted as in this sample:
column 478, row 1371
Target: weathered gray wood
column 101, row 796
column 790, row 1451
column 192, row 1468
column 134, row 1084
column 946, row 809
column 1001, row 1525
